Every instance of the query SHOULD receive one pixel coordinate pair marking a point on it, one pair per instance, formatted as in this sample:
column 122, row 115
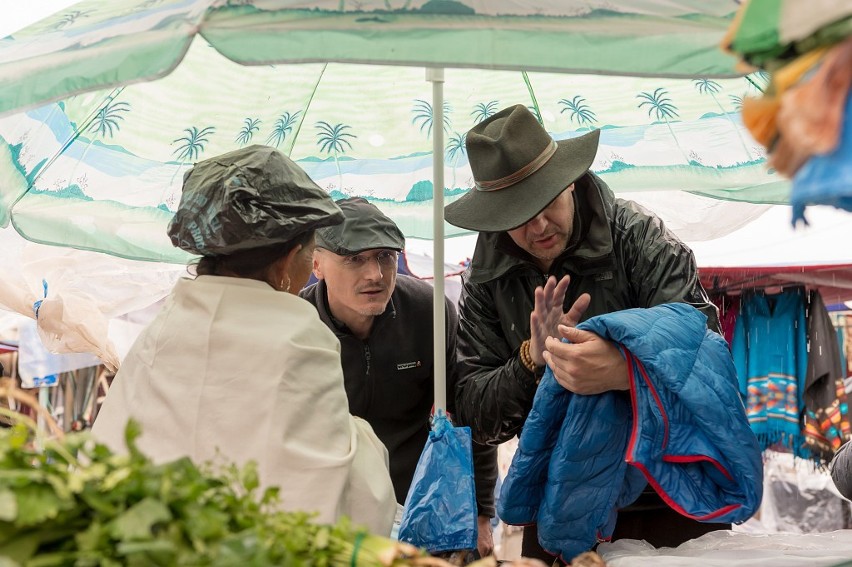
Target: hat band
column 521, row 174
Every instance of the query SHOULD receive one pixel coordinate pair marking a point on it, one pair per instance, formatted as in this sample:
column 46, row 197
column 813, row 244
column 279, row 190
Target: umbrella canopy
column 101, row 170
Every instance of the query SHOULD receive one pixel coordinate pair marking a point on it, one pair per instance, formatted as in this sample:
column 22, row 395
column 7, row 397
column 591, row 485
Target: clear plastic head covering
column 249, row 198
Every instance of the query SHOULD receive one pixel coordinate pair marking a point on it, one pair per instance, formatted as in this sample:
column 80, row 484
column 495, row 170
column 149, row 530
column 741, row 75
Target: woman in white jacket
column 236, row 365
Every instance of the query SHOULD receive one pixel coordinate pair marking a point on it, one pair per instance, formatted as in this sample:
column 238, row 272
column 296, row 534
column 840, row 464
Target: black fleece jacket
column 389, row 380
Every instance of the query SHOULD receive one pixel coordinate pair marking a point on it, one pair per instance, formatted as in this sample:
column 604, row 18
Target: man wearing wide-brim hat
column 556, row 247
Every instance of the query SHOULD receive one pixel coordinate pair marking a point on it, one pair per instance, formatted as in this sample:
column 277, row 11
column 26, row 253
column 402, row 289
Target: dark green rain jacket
column 619, row 253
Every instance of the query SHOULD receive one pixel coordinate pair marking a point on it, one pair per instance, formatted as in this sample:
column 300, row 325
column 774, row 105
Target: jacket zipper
column 367, row 358
column 368, row 382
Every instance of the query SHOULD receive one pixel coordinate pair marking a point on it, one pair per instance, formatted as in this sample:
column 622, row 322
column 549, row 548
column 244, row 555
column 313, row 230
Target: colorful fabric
column 827, row 179
column 770, row 353
column 826, row 406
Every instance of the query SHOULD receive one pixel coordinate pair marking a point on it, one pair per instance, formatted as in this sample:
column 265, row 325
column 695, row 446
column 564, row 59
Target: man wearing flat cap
column 555, row 247
column 384, row 323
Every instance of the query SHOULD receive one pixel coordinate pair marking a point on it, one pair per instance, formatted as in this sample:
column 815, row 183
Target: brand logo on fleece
column 408, row 365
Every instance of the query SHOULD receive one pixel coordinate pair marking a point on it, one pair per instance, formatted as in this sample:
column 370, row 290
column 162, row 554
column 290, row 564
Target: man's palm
column 547, row 314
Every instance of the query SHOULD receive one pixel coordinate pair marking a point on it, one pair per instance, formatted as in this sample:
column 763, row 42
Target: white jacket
column 232, row 366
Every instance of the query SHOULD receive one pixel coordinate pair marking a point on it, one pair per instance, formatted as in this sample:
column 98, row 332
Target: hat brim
column 509, row 208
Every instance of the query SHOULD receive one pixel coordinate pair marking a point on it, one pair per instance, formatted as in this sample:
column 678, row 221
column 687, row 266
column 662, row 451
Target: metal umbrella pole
column 436, row 77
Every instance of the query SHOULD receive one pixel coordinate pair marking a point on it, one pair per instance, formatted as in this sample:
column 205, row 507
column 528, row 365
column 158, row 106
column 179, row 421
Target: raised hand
column 548, row 314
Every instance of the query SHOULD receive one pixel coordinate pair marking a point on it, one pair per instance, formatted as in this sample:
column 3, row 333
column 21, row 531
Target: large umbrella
column 107, row 104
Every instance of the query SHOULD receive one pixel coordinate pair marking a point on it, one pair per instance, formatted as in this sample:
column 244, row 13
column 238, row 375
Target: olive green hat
column 364, row 227
column 248, row 198
column 518, row 169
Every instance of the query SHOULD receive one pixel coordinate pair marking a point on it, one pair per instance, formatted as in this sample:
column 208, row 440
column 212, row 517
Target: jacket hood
column 590, row 245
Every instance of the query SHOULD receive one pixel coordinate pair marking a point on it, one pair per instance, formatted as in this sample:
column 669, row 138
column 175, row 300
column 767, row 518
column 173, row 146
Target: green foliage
column 75, row 503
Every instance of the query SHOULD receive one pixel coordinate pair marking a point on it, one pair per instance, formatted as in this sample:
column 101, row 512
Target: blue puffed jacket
column 681, row 427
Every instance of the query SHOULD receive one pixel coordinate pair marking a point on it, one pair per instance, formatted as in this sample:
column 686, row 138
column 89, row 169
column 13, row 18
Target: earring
column 284, row 285
column 288, row 284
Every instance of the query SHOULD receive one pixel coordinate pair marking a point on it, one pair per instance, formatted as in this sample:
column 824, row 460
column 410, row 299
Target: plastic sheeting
column 76, row 293
column 731, row 549
column 800, row 498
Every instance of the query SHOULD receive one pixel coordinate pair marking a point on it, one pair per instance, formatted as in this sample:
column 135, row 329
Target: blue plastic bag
column 440, row 509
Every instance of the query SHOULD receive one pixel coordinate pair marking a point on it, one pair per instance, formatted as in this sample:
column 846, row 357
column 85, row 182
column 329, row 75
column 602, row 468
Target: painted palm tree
column 423, row 114
column 332, row 140
column 660, row 104
column 148, row 4
column 455, row 149
column 282, row 128
column 70, row 18
column 251, row 126
column 579, row 109
column 192, row 145
column 737, row 102
column 706, row 86
column 484, row 110
column 107, row 120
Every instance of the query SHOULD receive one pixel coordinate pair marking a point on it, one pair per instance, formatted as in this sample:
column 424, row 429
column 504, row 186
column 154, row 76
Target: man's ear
column 317, row 264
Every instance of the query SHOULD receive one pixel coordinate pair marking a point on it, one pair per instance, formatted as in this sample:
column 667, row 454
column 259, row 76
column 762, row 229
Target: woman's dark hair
column 253, row 263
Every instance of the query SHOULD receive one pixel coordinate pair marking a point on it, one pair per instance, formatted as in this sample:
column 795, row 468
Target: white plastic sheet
column 800, row 498
column 732, row 549
column 36, row 365
column 77, row 292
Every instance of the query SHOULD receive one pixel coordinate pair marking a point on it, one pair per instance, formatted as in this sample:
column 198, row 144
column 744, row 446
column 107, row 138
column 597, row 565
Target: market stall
column 93, row 158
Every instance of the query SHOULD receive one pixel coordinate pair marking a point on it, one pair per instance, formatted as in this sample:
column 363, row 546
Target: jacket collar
column 336, row 325
column 589, row 249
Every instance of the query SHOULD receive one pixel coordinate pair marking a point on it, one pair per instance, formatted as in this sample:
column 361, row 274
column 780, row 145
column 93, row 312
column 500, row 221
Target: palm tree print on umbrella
column 107, row 120
column 191, row 145
column 331, row 140
column 423, row 114
column 737, row 102
column 251, row 126
column 282, row 128
column 455, row 149
column 70, row 18
column 659, row 104
column 484, row 110
column 580, row 111
column 706, row 86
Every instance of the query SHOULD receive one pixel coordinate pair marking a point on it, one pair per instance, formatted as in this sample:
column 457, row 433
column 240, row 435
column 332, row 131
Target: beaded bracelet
column 526, row 358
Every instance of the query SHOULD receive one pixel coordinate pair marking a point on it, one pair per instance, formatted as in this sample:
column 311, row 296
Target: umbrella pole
column 436, row 77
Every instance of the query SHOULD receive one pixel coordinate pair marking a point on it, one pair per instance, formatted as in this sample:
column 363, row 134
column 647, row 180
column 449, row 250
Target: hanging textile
column 729, row 310
column 770, row 354
column 826, row 407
